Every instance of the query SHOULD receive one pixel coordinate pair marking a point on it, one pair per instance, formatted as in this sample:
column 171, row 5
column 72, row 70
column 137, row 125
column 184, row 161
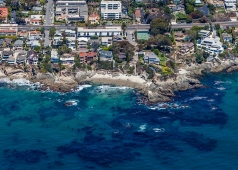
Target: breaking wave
column 19, row 82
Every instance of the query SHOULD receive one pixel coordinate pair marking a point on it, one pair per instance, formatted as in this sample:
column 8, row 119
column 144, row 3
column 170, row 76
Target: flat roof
column 8, row 25
column 103, row 10
column 110, row 2
column 83, row 29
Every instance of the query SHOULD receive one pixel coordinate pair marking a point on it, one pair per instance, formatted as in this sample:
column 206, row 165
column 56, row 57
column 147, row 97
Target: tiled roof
column 137, row 13
column 82, row 54
column 91, row 54
column 3, row 12
column 94, row 15
column 7, row 31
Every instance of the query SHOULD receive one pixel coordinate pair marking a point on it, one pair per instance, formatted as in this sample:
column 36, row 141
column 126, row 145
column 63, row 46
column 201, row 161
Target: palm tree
column 123, row 27
column 60, row 66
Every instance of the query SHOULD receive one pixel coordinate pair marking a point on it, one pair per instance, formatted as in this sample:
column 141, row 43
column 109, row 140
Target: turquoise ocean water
column 109, row 128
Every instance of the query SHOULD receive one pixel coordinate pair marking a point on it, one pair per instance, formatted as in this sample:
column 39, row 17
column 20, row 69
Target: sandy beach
column 120, row 80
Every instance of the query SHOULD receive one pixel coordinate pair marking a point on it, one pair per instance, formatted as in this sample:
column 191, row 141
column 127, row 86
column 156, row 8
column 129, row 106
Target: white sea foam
column 222, row 82
column 159, row 130
column 142, row 128
column 19, row 82
column 198, row 98
column 211, row 100
column 221, row 88
column 162, row 106
column 72, row 102
column 58, row 100
column 107, row 87
column 81, row 87
column 213, row 108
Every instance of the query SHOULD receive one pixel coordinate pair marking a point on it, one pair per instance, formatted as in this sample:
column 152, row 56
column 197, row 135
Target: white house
column 82, row 42
column 34, row 19
column 106, row 41
column 100, row 32
column 67, row 59
column 54, row 56
column 211, row 45
column 71, row 42
column 150, row 57
column 111, row 9
column 204, row 33
column 230, row 5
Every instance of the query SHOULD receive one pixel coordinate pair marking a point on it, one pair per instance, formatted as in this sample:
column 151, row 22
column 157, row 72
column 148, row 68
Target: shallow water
column 108, row 127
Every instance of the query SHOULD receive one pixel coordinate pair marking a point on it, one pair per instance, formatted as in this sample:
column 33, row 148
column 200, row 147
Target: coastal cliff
column 154, row 90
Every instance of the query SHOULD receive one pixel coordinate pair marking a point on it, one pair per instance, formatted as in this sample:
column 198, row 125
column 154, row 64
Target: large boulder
column 82, row 75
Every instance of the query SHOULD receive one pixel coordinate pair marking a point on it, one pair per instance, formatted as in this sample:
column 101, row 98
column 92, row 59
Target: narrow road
column 48, row 21
column 49, row 13
column 47, row 38
column 129, row 27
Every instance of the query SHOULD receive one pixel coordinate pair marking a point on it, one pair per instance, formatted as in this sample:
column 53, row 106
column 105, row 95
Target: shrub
column 107, row 65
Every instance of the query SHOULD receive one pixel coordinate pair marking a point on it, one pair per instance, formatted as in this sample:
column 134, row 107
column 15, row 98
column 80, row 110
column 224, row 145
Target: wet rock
column 232, row 68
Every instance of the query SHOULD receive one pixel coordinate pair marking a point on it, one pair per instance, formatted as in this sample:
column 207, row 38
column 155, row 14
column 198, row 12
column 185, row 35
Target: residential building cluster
column 71, row 11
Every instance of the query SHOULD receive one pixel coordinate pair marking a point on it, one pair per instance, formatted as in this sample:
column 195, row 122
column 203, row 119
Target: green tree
column 189, row 8
column 199, row 58
column 189, row 19
column 52, row 31
column 191, row 34
column 172, row 37
column 42, row 30
column 9, row 16
column 196, row 14
column 159, row 26
column 211, row 8
column 42, row 2
column 8, row 2
column 43, row 11
column 220, row 34
column 95, row 46
column 167, row 10
column 156, row 51
column 60, row 66
column 191, row 2
column 205, row 54
column 123, row 27
column 217, row 26
column 37, row 48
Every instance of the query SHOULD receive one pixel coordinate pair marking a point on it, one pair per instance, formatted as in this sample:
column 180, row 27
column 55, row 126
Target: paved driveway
column 130, row 36
column 49, row 13
column 47, row 38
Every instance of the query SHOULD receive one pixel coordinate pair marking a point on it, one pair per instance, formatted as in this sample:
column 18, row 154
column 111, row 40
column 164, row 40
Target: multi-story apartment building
column 211, row 45
column 230, row 5
column 100, row 32
column 111, row 9
column 71, row 10
column 8, row 29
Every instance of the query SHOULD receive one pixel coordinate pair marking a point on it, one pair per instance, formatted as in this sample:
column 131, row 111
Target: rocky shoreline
column 153, row 90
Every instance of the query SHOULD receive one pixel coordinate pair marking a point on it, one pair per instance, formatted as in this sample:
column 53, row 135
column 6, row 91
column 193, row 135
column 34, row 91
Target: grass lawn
column 162, row 60
column 181, row 15
column 166, row 70
column 221, row 10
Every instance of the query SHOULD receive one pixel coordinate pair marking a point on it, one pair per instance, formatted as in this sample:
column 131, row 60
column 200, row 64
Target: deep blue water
column 108, row 128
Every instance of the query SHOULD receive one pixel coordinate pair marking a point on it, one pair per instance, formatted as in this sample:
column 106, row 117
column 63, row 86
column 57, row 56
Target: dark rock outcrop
column 164, row 91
